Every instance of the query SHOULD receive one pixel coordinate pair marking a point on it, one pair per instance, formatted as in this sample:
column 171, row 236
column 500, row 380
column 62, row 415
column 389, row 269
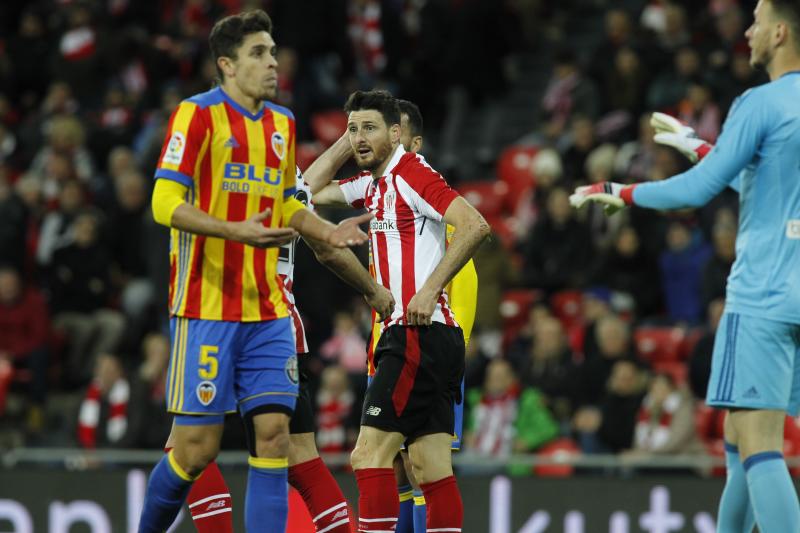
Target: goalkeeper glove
column 612, row 196
column 672, row 132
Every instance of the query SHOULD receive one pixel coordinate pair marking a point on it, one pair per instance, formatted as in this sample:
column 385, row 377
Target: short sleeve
column 186, row 141
column 355, row 188
column 291, row 170
column 431, row 193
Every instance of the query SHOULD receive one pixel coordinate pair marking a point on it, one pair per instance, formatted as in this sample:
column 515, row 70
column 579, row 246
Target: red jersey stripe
column 405, row 382
column 266, row 308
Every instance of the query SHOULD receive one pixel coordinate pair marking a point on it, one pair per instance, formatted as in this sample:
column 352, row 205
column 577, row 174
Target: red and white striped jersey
column 286, row 259
column 407, row 235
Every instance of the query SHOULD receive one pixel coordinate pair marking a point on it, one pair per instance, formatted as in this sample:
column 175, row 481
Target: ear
column 781, row 33
column 394, row 133
column 416, row 144
column 226, row 65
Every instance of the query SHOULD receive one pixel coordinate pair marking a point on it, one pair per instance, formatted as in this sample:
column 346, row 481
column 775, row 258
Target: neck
column 782, row 64
column 378, row 171
column 253, row 105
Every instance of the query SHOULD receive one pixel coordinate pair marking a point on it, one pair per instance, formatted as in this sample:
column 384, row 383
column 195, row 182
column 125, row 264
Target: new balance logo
column 751, row 393
column 340, row 514
column 231, row 143
column 215, row 505
column 373, row 411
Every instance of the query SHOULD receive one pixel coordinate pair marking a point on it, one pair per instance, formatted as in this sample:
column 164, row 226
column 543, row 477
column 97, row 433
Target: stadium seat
column 328, row 126
column 566, row 306
column 514, row 168
column 486, row 196
column 659, row 343
column 558, row 448
column 691, row 339
column 306, row 153
column 514, row 310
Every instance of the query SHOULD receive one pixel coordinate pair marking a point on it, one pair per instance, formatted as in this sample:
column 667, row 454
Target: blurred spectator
column 335, row 404
column 13, row 225
column 64, row 157
column 78, row 61
column 613, row 337
column 699, row 111
column 625, row 82
column 148, row 421
column 619, row 34
column 627, row 268
column 583, row 142
column 80, row 297
column 671, row 86
column 544, row 363
column 346, row 347
column 56, row 231
column 595, row 304
column 739, row 77
column 556, row 252
column 103, row 415
column 29, row 52
column 681, row 266
column 729, row 26
column 600, row 167
column 665, row 422
column 568, row 93
column 496, row 272
column 718, row 266
column 700, row 359
column 546, row 173
column 609, row 426
column 378, row 41
column 634, row 159
column 504, row 418
column 24, row 335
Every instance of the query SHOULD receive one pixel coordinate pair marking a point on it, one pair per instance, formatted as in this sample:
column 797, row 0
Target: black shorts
column 303, row 417
column 418, row 372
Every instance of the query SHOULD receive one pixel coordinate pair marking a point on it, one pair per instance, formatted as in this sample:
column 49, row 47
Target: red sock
column 322, row 495
column 378, row 500
column 209, row 502
column 445, row 510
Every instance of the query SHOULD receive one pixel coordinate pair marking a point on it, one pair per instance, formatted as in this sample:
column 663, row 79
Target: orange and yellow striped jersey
column 235, row 165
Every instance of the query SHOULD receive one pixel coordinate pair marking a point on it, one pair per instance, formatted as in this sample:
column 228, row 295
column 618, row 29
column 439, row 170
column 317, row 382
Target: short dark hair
column 789, row 10
column 381, row 101
column 414, row 116
column 228, row 33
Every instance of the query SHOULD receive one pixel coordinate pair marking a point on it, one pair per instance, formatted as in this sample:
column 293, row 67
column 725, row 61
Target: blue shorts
column 756, row 364
column 217, row 367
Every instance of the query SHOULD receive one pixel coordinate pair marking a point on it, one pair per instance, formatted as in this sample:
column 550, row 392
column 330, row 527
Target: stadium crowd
column 592, row 334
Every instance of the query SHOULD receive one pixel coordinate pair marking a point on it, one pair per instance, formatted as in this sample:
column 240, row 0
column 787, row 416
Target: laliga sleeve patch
column 174, row 152
column 206, row 392
column 291, row 369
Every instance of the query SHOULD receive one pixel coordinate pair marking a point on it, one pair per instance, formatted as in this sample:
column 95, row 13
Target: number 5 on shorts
column 208, row 360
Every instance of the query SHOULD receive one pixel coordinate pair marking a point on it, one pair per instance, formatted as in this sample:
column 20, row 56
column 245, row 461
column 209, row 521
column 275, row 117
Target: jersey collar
column 241, row 109
column 398, row 153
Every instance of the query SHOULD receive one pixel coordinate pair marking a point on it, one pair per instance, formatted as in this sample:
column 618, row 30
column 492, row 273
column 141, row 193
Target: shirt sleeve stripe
column 289, row 192
column 174, row 175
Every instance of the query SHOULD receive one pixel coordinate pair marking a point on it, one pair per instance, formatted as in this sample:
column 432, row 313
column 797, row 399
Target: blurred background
column 593, row 335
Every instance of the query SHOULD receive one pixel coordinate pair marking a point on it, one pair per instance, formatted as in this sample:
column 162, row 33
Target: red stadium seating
column 659, row 343
column 486, row 196
column 514, row 309
column 328, row 126
column 558, row 448
column 306, row 153
column 514, row 168
column 566, row 306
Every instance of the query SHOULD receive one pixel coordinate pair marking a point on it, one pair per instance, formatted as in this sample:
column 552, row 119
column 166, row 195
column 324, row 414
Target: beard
column 760, row 62
column 378, row 156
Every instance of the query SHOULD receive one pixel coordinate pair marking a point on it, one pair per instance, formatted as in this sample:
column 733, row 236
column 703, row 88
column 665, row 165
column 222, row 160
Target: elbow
column 484, row 229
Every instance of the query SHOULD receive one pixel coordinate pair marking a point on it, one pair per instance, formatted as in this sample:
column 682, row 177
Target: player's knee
column 195, row 455
column 272, row 439
column 360, row 457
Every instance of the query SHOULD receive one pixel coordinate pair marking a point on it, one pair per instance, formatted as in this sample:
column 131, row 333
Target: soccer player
column 462, row 292
column 225, row 184
column 419, row 359
column 756, row 362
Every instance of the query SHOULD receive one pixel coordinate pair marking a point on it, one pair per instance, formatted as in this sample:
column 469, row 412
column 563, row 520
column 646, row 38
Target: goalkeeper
column 756, row 362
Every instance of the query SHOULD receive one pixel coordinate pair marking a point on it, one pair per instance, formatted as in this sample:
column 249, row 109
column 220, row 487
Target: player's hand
column 672, row 132
column 347, row 232
column 420, row 308
column 253, row 232
column 382, row 301
column 606, row 193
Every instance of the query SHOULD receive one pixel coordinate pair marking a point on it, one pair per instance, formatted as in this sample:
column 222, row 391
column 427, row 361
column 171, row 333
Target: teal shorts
column 756, row 364
column 217, row 367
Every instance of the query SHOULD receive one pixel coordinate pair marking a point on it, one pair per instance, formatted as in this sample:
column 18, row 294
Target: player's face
column 412, row 143
column 371, row 139
column 758, row 36
column 255, row 68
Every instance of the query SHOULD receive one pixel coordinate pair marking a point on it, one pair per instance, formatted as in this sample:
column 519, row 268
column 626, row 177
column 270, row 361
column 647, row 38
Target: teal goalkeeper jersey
column 758, row 153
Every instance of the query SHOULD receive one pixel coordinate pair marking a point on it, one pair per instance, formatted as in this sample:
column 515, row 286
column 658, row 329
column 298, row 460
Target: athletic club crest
column 278, row 145
column 206, row 392
column 388, row 201
column 291, row 369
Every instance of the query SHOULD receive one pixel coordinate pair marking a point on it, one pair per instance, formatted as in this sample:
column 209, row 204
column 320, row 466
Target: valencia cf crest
column 278, row 145
column 292, row 371
column 206, row 392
